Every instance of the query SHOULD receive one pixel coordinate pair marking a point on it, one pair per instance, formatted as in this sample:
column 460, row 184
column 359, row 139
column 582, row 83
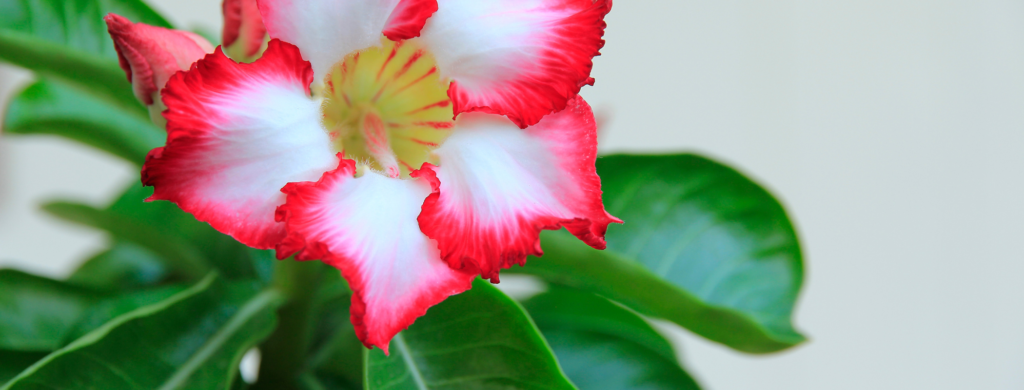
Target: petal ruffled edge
column 366, row 227
column 519, row 59
column 496, row 190
column 227, row 125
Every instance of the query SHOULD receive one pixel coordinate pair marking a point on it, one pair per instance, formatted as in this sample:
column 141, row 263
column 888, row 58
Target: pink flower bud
column 150, row 55
column 244, row 32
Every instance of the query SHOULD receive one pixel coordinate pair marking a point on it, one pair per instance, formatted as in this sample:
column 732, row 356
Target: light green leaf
column 601, row 345
column 192, row 340
column 53, row 107
column 36, row 313
column 479, row 339
column 68, row 39
column 702, row 246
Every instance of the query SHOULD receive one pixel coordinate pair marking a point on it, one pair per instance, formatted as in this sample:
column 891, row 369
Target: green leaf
column 181, row 255
column 702, row 246
column 601, row 345
column 565, row 308
column 189, row 247
column 192, row 340
column 13, row 362
column 114, row 306
column 56, row 108
column 336, row 359
column 479, row 339
column 125, row 266
column 598, row 361
column 68, row 39
column 37, row 313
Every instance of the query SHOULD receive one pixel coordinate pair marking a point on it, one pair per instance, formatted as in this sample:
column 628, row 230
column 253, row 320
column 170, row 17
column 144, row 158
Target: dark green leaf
column 125, row 266
column 193, row 340
column 13, row 362
column 36, row 313
column 702, row 246
column 601, row 345
column 52, row 107
column 68, row 39
column 479, row 339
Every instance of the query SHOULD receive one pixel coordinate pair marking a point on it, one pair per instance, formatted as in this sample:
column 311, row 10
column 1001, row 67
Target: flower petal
column 149, row 55
column 498, row 186
column 520, row 58
column 366, row 227
column 236, row 134
column 328, row 30
column 242, row 23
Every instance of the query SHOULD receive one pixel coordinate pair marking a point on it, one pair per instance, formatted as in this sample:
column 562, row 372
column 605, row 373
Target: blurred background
column 892, row 130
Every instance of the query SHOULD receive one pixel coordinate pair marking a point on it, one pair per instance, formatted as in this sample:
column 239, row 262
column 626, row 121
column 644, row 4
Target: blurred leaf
column 192, row 340
column 68, row 39
column 125, row 266
column 702, row 246
column 52, row 107
column 479, row 339
column 114, row 306
column 188, row 246
column 601, row 345
column 13, row 362
column 37, row 313
column 180, row 254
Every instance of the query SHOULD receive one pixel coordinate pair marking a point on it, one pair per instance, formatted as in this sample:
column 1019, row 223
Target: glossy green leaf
column 565, row 308
column 479, row 339
column 125, row 266
column 68, row 39
column 601, row 345
column 56, row 108
column 702, row 246
column 192, row 340
column 36, row 313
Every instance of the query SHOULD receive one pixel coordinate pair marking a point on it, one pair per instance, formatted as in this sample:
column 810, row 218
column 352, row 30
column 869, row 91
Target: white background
column 892, row 130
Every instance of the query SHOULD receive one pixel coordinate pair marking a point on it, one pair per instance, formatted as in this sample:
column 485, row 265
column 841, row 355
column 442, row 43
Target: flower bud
column 244, row 33
column 150, row 55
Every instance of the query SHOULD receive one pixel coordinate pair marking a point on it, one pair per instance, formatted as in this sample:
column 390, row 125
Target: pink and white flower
column 366, row 137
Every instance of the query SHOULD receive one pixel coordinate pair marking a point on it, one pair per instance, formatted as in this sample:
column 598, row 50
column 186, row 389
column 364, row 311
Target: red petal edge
column 571, row 138
column 300, row 215
column 188, row 128
column 564, row 68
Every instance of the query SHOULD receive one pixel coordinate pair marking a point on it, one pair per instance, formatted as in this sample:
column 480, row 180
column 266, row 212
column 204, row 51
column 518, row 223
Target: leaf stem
column 285, row 351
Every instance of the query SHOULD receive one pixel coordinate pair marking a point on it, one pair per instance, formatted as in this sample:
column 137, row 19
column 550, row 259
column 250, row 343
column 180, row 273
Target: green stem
column 284, row 354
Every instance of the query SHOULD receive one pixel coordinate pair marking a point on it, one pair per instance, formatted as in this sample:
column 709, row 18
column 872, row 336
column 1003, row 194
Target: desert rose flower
column 412, row 144
column 149, row 56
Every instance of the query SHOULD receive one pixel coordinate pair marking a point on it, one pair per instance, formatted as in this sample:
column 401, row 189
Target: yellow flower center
column 387, row 107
